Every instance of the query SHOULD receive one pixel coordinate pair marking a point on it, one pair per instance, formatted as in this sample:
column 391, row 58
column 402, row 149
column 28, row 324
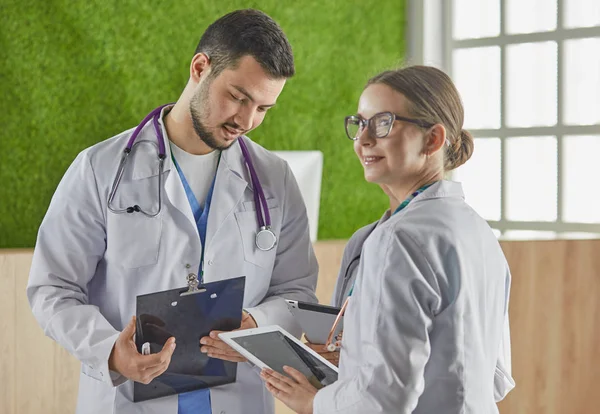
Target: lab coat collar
column 441, row 189
column 230, row 185
column 231, row 158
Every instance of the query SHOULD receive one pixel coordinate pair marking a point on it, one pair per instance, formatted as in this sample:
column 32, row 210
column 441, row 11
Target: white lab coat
column 426, row 330
column 90, row 264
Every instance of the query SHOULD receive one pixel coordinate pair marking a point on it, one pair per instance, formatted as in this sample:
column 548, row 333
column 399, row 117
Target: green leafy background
column 73, row 73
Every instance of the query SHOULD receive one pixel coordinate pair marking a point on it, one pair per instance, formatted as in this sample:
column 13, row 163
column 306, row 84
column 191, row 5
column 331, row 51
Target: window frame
column 430, row 41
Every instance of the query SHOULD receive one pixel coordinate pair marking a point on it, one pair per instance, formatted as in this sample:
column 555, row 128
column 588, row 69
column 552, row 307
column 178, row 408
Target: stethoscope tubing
column 262, row 211
column 259, row 195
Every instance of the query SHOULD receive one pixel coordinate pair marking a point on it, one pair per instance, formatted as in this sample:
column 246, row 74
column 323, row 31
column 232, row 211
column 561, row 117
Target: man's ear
column 200, row 67
column 435, row 139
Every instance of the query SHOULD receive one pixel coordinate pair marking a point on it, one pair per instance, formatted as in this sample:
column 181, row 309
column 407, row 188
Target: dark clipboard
column 188, row 315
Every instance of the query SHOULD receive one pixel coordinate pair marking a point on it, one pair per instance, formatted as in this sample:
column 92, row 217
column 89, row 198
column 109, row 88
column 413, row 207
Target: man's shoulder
column 104, row 154
column 110, row 146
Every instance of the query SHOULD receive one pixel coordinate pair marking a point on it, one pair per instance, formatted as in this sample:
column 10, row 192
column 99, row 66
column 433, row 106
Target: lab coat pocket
column 133, row 239
column 248, row 226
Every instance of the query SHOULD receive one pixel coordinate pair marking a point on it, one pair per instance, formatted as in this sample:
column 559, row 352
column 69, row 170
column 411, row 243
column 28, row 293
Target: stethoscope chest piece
column 265, row 239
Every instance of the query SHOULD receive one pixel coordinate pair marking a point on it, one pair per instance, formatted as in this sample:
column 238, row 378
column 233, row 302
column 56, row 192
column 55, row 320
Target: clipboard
column 188, row 315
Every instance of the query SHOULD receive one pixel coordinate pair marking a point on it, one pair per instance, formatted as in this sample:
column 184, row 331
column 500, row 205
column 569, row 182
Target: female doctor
column 426, row 324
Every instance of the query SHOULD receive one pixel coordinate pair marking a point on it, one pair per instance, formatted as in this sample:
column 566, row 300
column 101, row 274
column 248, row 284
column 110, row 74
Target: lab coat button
column 187, row 266
column 210, row 262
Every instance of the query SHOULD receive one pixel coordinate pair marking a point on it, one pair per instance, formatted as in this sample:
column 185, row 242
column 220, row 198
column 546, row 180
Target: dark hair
column 434, row 100
column 247, row 33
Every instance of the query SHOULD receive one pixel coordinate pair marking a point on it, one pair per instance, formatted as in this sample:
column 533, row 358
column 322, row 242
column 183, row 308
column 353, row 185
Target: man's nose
column 245, row 118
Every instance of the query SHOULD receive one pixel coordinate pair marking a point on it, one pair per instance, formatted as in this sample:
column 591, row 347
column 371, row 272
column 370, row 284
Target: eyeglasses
column 379, row 124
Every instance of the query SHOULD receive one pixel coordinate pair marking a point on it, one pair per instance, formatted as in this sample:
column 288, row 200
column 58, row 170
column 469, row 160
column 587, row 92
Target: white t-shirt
column 199, row 170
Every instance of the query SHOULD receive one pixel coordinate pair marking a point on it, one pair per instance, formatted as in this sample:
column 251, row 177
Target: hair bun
column 460, row 150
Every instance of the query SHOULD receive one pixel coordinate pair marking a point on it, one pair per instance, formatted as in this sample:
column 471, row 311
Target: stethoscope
column 265, row 238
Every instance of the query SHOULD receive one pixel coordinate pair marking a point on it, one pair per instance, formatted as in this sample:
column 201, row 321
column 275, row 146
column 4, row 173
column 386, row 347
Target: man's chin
column 219, row 144
column 227, row 142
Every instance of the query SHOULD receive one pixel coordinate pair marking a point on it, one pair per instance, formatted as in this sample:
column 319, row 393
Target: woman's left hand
column 295, row 392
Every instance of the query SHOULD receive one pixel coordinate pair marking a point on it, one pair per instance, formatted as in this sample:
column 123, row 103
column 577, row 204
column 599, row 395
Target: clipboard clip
column 193, row 285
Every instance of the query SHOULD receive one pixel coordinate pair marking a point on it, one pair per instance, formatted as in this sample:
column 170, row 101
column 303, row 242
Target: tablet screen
column 276, row 350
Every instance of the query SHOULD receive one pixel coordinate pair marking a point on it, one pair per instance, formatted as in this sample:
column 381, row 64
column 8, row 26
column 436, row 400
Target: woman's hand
column 333, row 357
column 295, row 392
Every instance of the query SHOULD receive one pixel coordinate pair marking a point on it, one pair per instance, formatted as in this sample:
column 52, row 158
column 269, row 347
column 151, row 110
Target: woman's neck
column 401, row 191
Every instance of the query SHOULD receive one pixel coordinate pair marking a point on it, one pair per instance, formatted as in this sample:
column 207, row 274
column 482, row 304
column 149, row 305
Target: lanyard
column 200, row 214
column 398, row 209
column 411, row 197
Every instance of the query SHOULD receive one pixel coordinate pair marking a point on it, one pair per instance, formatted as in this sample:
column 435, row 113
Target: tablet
column 316, row 320
column 273, row 347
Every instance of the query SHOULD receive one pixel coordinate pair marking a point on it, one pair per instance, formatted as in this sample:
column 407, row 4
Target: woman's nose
column 364, row 138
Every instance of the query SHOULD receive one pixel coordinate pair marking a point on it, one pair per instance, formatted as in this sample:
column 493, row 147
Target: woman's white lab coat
column 90, row 264
column 426, row 329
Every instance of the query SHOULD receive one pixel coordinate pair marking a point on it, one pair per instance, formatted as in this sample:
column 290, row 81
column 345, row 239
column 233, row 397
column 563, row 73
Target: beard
column 199, row 112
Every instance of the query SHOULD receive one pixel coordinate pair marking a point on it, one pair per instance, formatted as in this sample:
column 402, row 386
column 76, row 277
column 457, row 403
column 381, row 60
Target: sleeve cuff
column 275, row 312
column 102, row 372
column 503, row 384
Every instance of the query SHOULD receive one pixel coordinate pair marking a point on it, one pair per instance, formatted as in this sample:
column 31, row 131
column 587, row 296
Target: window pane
column 530, row 16
column 582, row 13
column 582, row 81
column 531, row 178
column 531, row 84
column 529, row 235
column 473, row 19
column 578, row 235
column 480, row 177
column 476, row 74
column 581, row 202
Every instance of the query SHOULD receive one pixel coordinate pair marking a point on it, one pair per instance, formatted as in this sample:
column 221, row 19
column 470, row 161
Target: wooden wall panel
column 37, row 375
column 8, row 334
column 555, row 325
column 329, row 256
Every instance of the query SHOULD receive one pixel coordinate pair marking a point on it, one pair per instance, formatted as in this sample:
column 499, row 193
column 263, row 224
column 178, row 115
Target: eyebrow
column 247, row 94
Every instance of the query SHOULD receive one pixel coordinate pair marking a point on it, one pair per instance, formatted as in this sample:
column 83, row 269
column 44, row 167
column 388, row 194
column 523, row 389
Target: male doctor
column 90, row 263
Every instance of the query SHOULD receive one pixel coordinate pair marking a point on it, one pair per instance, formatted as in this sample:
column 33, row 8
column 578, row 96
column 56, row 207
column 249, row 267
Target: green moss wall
column 73, row 73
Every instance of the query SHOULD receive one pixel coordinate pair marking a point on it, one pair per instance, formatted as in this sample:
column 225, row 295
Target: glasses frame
column 366, row 123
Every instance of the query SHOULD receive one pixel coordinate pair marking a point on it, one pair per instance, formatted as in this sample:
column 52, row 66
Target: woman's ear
column 435, row 139
column 199, row 67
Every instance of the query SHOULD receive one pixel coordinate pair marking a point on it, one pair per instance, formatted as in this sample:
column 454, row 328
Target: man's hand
column 215, row 348
column 127, row 361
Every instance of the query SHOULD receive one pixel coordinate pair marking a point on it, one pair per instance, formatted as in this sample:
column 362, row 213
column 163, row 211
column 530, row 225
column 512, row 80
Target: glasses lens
column 352, row 127
column 381, row 124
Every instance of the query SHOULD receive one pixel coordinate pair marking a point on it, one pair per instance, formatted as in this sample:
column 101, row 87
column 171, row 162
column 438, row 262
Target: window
column 529, row 75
